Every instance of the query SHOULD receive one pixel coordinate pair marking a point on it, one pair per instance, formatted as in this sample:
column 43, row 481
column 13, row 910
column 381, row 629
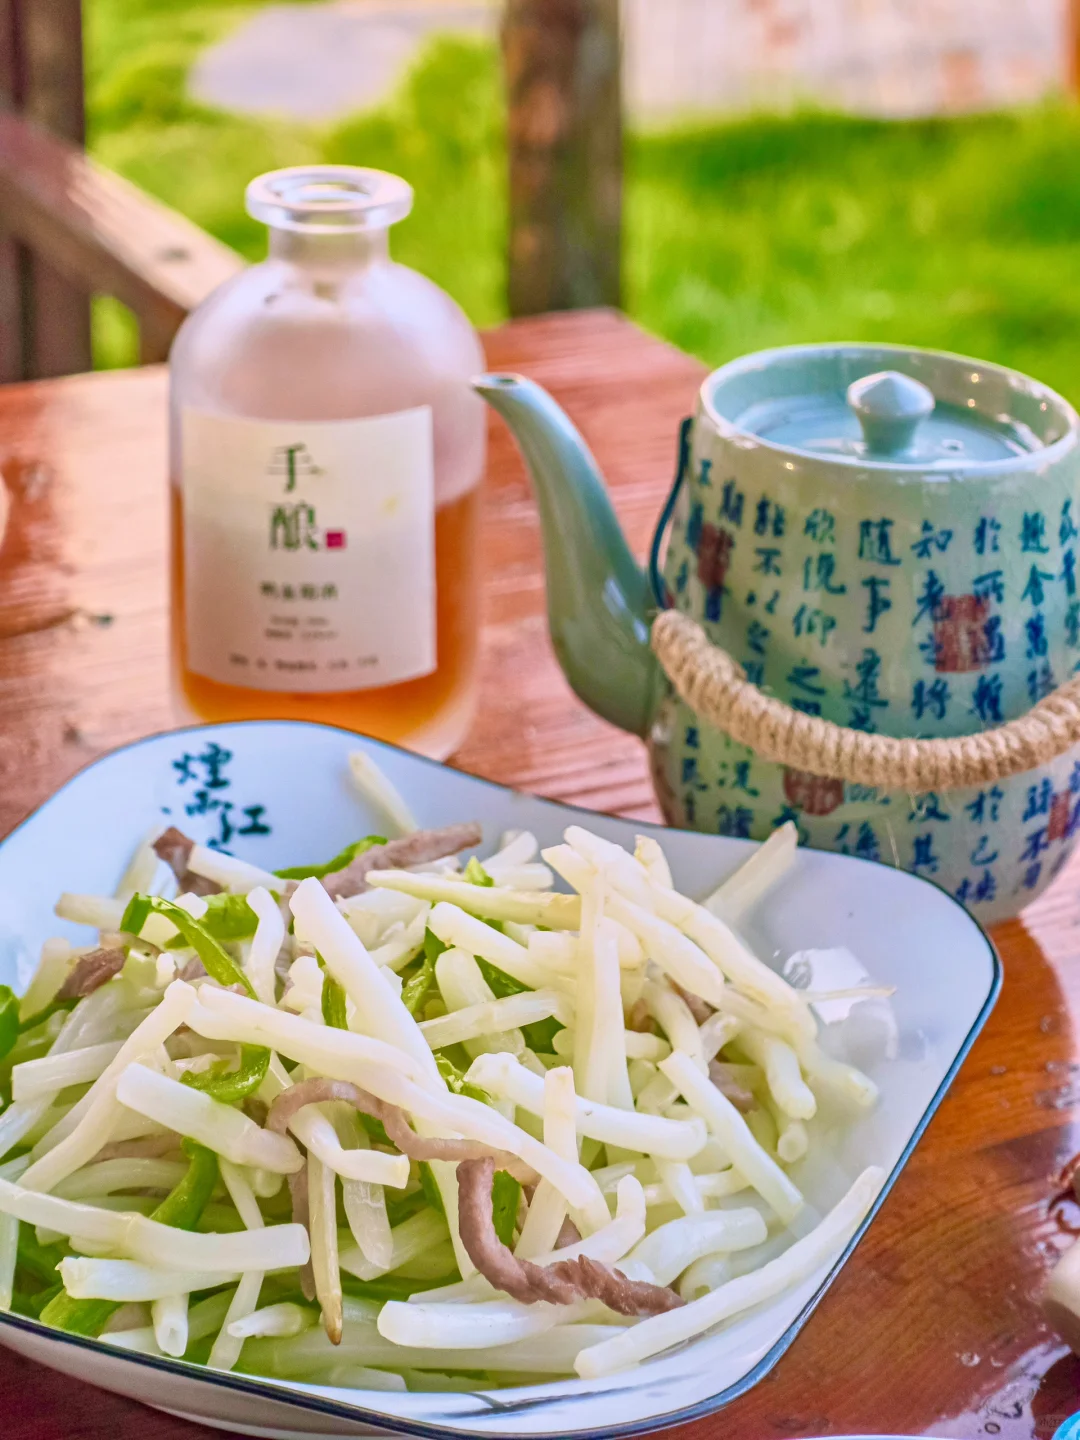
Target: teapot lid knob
column 889, row 406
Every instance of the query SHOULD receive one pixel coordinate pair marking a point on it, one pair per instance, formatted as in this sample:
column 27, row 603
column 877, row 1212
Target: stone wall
column 878, row 57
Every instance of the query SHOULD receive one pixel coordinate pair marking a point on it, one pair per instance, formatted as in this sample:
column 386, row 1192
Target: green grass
column 960, row 233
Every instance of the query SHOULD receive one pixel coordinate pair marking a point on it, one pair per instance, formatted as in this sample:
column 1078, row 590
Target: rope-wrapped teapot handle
column 714, row 685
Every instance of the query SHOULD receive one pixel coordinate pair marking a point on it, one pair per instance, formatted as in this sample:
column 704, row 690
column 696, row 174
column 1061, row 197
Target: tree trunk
column 562, row 60
column 41, row 77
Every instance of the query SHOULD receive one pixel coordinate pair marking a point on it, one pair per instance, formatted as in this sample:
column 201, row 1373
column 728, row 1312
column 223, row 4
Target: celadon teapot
column 861, row 613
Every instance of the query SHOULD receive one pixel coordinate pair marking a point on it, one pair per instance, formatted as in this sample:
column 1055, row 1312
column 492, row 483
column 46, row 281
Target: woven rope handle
column 713, row 685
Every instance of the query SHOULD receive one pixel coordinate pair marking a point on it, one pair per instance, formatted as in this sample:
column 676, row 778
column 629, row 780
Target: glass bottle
column 326, row 453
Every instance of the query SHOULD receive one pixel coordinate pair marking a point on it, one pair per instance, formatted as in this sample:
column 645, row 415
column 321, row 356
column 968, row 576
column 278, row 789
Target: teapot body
column 886, row 595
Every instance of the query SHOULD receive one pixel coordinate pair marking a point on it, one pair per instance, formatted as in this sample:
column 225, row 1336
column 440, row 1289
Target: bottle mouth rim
column 328, row 199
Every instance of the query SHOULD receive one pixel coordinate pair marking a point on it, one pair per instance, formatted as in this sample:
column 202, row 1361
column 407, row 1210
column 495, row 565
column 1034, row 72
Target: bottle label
column 309, row 550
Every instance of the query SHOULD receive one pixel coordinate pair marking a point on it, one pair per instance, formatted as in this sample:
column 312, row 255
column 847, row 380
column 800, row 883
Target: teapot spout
column 597, row 595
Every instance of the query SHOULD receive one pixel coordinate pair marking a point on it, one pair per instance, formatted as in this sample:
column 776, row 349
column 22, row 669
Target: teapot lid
column 869, row 404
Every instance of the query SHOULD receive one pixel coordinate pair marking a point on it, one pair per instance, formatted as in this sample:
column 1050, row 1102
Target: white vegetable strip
column 85, row 1128
column 804, row 1257
column 843, row 1080
column 672, row 1247
column 649, row 1134
column 53, row 1072
column 643, row 1046
column 315, row 1131
column 708, row 1273
column 99, row 911
column 170, row 1316
column 557, row 912
column 127, row 1280
column 715, row 938
column 226, row 1348
column 608, row 1245
column 463, row 987
column 322, row 1226
column 524, row 878
column 495, row 1017
column 379, row 1011
column 309, row 1355
column 236, row 876
column 782, row 1073
column 648, row 852
column 365, row 1204
column 109, row 1175
column 675, row 1018
column 9, row 1245
column 679, row 1181
column 451, row 925
column 377, row 788
column 514, row 849
column 373, row 913
column 734, row 1135
column 344, row 1056
column 401, row 945
column 547, row 1209
column 486, row 1322
column 662, row 942
column 767, row 864
column 221, row 1128
column 411, row 1238
column 222, row 1015
column 265, row 944
column 57, row 958
column 557, row 950
column 716, row 1032
column 276, row 1247
column 284, row 1319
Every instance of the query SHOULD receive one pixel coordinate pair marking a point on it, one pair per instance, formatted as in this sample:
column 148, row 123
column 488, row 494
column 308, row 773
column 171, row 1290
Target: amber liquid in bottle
column 413, row 712
column 328, row 329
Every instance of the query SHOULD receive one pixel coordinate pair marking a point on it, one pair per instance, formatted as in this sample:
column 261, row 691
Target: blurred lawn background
column 958, row 233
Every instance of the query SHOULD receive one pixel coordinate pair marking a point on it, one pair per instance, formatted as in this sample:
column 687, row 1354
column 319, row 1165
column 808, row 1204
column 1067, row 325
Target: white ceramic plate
column 278, row 793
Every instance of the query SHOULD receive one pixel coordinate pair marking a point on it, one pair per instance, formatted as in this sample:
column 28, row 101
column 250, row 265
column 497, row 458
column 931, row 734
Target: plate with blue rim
column 278, row 793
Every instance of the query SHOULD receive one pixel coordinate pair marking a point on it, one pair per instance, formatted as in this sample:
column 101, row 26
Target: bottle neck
column 347, row 249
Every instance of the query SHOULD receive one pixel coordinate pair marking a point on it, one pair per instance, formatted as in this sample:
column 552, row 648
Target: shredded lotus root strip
column 561, row 1283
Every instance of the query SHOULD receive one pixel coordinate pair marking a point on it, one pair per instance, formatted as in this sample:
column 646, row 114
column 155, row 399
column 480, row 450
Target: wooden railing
column 70, row 229
column 101, row 235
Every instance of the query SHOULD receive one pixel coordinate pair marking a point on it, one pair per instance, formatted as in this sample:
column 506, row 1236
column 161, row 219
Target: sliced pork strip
column 420, row 848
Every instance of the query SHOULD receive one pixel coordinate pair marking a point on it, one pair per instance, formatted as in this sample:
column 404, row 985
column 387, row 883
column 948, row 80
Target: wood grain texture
column 933, row 1327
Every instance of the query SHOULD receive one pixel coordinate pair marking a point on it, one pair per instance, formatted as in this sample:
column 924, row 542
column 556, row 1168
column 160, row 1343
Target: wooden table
column 933, row 1326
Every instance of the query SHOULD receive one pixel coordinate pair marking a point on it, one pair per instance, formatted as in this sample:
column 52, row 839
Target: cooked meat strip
column 739, row 1096
column 416, row 849
column 694, row 1003
column 640, row 1020
column 174, row 847
column 560, row 1283
column 568, row 1234
column 90, row 972
column 316, row 1090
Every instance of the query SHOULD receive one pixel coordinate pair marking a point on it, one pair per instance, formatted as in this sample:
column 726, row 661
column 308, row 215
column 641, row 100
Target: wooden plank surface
column 933, row 1327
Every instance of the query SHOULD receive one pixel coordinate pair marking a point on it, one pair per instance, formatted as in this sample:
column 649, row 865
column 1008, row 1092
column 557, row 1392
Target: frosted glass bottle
column 326, row 452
